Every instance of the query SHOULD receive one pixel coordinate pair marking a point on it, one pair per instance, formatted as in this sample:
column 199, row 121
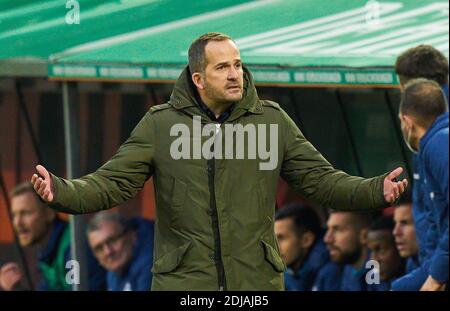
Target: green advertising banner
column 295, row 42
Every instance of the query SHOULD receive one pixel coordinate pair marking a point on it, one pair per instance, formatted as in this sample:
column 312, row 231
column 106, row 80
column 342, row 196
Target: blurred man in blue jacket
column 383, row 250
column 346, row 239
column 405, row 232
column 124, row 248
column 424, row 120
column 299, row 234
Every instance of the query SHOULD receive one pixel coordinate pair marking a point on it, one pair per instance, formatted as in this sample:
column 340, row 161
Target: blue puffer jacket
column 303, row 279
column 137, row 276
column 412, row 263
column 430, row 207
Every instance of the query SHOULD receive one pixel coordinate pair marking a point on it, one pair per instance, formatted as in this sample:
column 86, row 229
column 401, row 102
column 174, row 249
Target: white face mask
column 408, row 144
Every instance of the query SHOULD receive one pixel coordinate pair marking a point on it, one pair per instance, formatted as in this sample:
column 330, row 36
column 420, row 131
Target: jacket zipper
column 215, row 220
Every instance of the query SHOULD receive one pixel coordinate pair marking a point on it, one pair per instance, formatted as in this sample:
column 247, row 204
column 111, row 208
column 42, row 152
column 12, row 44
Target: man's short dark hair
column 361, row 220
column 303, row 216
column 423, row 99
column 25, row 187
column 405, row 198
column 96, row 222
column 423, row 61
column 197, row 59
column 383, row 223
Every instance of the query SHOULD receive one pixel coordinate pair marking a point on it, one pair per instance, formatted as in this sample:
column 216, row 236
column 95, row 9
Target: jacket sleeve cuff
column 379, row 197
column 439, row 268
column 412, row 281
column 62, row 201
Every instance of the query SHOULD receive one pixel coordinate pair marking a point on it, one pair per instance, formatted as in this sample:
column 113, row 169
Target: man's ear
column 197, row 78
column 407, row 120
column 363, row 236
column 307, row 239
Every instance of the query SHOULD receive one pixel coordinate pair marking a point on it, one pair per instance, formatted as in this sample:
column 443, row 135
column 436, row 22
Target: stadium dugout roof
column 284, row 42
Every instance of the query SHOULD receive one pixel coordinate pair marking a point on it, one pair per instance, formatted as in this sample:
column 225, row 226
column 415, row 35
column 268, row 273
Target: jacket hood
column 184, row 95
column 440, row 123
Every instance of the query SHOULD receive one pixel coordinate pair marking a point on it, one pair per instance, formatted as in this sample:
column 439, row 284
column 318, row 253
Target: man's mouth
column 333, row 250
column 22, row 232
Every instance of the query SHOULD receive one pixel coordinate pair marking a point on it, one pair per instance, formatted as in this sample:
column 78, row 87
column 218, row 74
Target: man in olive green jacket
column 215, row 206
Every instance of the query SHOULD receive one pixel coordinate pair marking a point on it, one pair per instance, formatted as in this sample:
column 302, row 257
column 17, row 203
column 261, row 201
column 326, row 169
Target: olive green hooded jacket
column 215, row 217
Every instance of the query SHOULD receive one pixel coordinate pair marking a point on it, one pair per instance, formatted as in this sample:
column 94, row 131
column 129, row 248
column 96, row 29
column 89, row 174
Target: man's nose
column 107, row 250
column 327, row 238
column 396, row 231
column 232, row 73
column 17, row 221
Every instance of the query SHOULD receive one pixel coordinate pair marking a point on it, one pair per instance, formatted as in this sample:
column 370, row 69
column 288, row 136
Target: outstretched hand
column 393, row 189
column 43, row 184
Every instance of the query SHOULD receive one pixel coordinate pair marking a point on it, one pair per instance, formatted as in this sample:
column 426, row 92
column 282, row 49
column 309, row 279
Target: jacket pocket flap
column 171, row 260
column 273, row 258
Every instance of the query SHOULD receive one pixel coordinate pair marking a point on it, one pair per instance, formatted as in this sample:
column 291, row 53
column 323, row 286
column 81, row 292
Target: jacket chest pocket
column 179, row 191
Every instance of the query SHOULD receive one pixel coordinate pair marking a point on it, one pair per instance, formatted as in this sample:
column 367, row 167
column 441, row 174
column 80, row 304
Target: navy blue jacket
column 430, row 207
column 382, row 287
column 412, row 263
column 137, row 276
column 355, row 280
column 303, row 279
column 335, row 277
column 329, row 278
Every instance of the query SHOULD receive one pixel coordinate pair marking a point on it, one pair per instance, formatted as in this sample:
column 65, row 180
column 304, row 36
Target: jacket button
column 210, row 169
column 211, row 255
column 209, row 212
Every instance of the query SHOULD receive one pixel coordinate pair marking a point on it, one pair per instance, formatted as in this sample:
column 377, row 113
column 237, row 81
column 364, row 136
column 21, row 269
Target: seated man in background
column 405, row 233
column 346, row 239
column 382, row 248
column 124, row 248
column 36, row 225
column 299, row 234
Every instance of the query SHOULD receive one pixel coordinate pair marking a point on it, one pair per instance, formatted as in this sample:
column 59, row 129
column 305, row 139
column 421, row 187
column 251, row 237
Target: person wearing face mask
column 424, row 122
